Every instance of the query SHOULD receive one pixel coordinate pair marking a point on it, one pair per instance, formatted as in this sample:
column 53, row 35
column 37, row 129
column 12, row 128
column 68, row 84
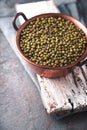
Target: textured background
column 20, row 103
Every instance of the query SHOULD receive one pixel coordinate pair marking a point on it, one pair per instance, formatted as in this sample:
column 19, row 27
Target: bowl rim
column 46, row 15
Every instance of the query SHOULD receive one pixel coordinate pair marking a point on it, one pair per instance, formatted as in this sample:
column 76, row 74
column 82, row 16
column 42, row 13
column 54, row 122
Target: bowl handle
column 82, row 63
column 15, row 18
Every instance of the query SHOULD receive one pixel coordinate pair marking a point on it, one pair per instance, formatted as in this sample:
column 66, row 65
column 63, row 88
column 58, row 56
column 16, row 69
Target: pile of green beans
column 52, row 42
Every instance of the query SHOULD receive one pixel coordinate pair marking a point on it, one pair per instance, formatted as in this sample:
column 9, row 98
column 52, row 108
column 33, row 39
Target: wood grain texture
column 67, row 94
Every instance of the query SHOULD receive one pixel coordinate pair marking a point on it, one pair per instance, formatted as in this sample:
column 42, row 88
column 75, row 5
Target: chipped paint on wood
column 65, row 94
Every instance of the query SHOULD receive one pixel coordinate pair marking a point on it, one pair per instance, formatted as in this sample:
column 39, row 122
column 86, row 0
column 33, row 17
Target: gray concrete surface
column 18, row 94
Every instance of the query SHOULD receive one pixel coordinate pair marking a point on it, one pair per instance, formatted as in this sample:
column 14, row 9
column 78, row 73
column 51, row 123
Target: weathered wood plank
column 65, row 94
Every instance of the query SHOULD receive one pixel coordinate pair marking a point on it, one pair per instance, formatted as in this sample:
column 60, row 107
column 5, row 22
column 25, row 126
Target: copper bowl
column 48, row 72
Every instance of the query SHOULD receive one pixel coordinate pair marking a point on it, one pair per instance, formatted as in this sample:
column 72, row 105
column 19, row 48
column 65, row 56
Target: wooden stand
column 65, row 95
column 61, row 96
